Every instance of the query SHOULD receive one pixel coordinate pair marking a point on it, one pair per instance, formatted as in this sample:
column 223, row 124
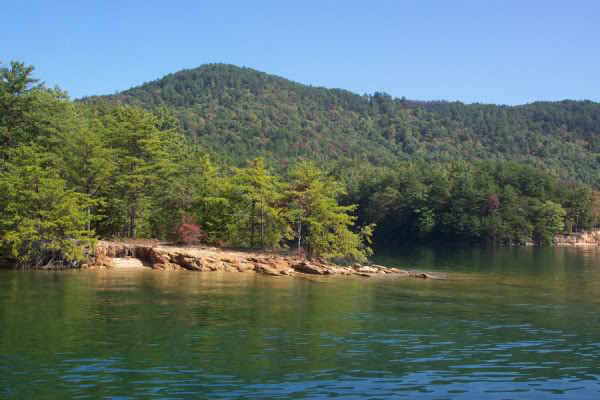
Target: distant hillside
column 241, row 113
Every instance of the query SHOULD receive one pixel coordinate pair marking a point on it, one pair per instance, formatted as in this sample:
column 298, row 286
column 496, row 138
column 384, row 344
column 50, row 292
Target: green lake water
column 505, row 323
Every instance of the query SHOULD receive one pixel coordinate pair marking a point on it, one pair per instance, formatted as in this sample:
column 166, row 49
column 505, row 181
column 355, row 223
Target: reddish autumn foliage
column 188, row 232
column 491, row 204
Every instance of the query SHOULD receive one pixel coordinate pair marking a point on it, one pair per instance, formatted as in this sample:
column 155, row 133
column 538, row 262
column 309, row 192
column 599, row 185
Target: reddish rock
column 313, row 269
column 368, row 270
column 266, row 270
column 211, row 259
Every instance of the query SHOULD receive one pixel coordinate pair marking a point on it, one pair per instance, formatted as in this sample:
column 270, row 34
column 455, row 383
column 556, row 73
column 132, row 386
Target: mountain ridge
column 292, row 81
column 240, row 113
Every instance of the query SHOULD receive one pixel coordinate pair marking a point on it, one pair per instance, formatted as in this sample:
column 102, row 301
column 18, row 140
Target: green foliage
column 259, row 217
column 42, row 223
column 321, row 223
column 194, row 188
column 27, row 111
column 326, row 165
column 490, row 202
column 549, row 220
column 82, row 154
column 141, row 162
column 240, row 114
column 412, row 167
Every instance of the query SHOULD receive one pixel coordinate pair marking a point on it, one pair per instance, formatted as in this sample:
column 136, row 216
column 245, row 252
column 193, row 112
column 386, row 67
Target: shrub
column 189, row 232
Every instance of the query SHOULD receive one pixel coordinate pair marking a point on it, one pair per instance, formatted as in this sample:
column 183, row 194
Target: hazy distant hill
column 242, row 113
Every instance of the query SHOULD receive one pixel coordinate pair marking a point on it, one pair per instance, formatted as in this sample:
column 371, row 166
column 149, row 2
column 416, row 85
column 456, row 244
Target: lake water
column 506, row 323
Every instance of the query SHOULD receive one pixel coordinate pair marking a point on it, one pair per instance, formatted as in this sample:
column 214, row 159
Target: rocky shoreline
column 206, row 259
column 586, row 238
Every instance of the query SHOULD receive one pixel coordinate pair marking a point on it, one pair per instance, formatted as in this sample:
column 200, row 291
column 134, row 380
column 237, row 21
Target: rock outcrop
column 160, row 256
column 580, row 238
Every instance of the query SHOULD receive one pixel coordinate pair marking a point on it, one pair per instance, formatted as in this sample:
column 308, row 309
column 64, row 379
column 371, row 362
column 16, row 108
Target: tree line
column 71, row 172
column 490, row 202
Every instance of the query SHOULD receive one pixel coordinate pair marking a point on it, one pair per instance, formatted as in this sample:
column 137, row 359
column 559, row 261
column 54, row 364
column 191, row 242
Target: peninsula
column 209, row 259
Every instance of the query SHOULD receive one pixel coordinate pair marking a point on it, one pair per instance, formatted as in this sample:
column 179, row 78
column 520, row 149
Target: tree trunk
column 262, row 224
column 132, row 223
column 252, row 223
column 89, row 220
column 299, row 234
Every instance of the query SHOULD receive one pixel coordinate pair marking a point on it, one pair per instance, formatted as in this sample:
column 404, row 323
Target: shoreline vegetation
column 71, row 172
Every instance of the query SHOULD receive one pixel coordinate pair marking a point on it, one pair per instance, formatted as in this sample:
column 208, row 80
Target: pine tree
column 84, row 157
column 322, row 225
column 142, row 161
column 42, row 222
column 256, row 197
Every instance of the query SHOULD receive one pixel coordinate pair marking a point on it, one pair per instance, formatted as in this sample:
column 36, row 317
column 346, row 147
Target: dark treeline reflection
column 524, row 318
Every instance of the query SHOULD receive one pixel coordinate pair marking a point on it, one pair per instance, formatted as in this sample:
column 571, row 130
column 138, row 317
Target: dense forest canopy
column 231, row 156
column 240, row 113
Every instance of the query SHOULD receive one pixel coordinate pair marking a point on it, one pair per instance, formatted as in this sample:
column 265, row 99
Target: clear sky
column 504, row 51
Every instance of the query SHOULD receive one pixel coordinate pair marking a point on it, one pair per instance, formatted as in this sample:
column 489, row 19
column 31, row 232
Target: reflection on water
column 507, row 323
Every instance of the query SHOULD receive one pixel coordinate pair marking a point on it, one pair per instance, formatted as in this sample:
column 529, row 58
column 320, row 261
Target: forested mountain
column 240, row 113
column 336, row 168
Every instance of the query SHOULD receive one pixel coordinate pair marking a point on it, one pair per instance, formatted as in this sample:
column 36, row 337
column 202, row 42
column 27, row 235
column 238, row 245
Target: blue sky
column 508, row 52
